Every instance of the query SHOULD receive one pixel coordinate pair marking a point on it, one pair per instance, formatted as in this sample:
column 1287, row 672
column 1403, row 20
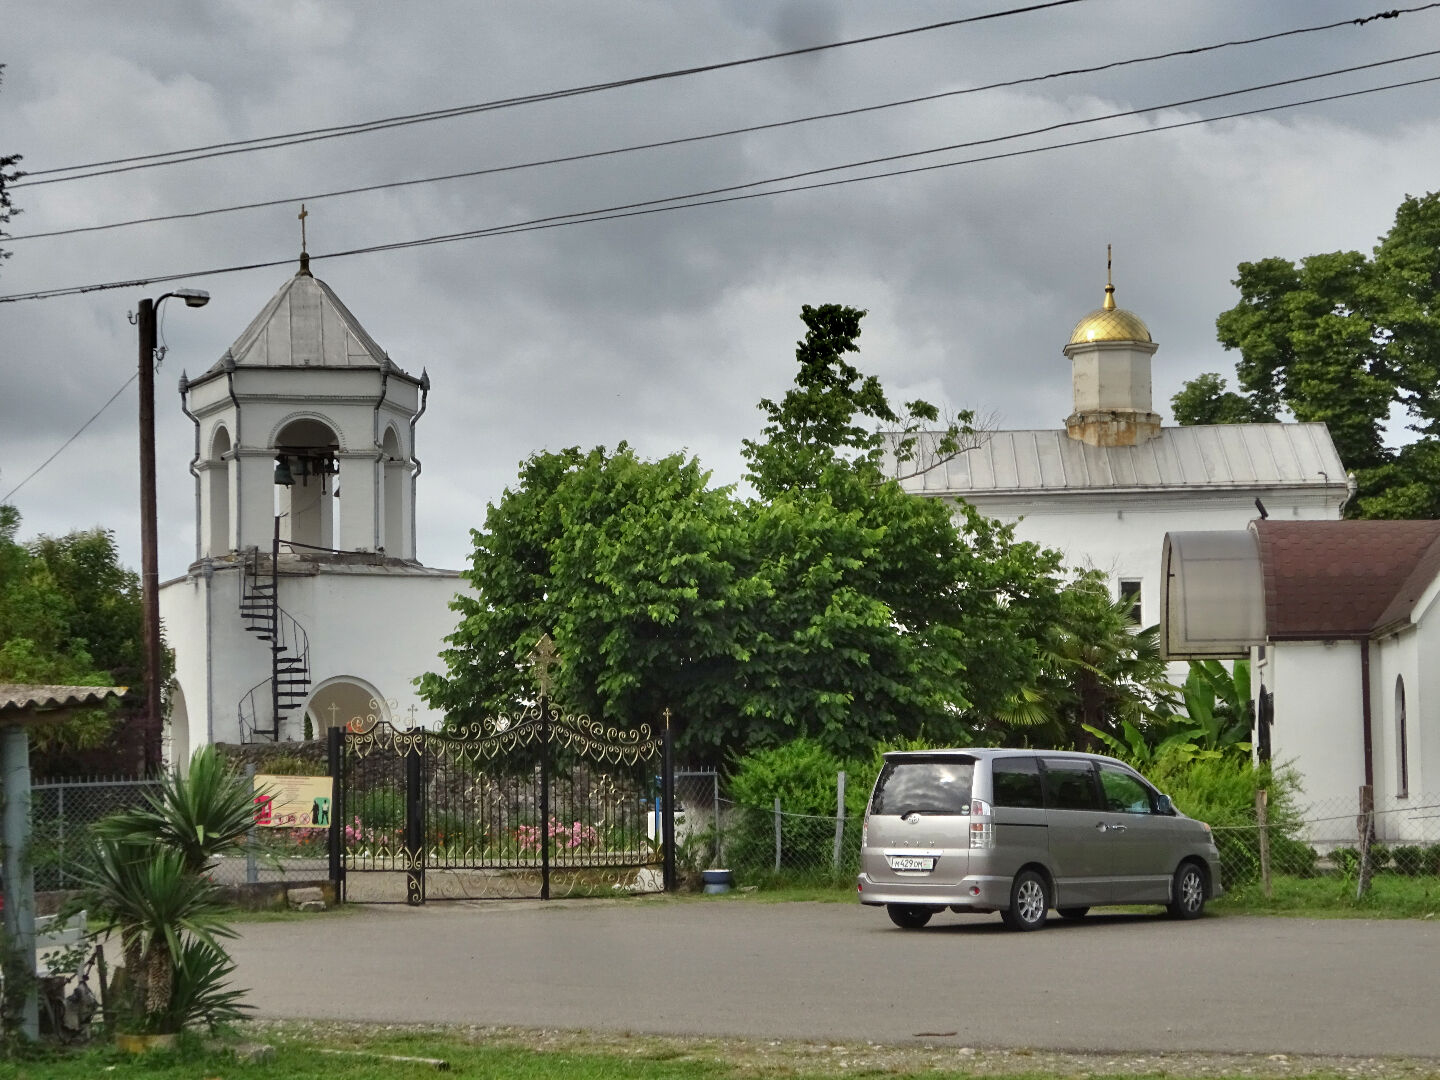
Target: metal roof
column 1214, row 457
column 304, row 325
column 20, row 703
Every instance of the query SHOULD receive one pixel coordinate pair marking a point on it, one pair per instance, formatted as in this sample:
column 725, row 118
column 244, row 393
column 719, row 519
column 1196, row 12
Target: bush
column 1221, row 792
column 1409, row 860
column 802, row 775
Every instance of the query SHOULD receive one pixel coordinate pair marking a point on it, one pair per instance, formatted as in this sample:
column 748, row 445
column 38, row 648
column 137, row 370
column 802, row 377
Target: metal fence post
column 252, row 873
column 337, row 818
column 715, row 789
column 839, row 816
column 415, row 820
column 777, row 834
column 60, row 844
column 667, row 789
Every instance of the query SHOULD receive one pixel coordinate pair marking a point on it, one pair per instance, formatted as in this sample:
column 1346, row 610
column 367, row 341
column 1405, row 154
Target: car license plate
column 912, row 862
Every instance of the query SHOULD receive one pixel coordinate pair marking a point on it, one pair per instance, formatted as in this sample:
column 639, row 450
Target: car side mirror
column 1163, row 805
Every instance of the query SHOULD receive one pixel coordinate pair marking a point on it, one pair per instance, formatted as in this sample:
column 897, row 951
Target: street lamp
column 149, row 559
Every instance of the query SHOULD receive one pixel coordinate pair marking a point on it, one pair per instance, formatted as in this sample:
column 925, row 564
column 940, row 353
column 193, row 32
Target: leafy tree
column 8, row 175
column 834, row 604
column 1098, row 676
column 69, row 615
column 1342, row 339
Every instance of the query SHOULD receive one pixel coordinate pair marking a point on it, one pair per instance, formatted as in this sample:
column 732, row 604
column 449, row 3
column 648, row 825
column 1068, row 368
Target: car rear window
column 924, row 786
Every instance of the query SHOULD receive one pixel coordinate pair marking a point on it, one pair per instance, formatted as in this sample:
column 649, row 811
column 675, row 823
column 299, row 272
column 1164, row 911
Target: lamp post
column 149, row 558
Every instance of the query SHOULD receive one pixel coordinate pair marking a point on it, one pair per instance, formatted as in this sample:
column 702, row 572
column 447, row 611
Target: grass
column 1391, row 896
column 337, row 1051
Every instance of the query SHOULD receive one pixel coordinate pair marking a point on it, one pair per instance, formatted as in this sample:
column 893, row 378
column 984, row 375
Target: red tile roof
column 1343, row 579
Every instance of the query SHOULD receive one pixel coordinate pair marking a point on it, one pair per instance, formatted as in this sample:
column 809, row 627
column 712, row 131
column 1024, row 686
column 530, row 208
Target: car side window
column 1124, row 793
column 1015, row 781
column 1070, row 784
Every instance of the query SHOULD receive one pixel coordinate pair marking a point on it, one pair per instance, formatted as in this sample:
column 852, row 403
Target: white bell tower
column 307, row 419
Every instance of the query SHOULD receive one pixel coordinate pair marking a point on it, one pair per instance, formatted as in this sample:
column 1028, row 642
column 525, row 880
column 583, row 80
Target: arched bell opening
column 306, row 485
column 217, row 478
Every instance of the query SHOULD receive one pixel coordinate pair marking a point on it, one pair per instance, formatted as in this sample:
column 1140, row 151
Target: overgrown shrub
column 1221, row 792
column 802, row 775
column 1409, row 860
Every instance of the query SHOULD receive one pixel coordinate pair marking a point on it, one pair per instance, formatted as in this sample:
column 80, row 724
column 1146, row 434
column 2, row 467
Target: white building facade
column 306, row 606
column 1106, row 488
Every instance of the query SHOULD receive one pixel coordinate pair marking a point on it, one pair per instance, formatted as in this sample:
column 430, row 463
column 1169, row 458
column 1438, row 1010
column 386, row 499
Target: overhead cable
column 657, row 206
column 570, row 158
column 270, row 142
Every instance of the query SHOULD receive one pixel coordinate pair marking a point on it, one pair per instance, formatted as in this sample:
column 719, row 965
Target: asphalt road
column 1112, row 983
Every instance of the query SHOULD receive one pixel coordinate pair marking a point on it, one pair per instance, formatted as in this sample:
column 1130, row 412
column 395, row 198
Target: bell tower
column 1110, row 352
column 305, row 419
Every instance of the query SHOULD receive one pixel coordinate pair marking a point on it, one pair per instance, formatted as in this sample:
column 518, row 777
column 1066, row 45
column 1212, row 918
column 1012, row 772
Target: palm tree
column 158, row 906
column 198, row 813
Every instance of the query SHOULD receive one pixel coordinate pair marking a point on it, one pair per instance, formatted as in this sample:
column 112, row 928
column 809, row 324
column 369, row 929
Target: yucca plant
column 199, row 813
column 159, row 908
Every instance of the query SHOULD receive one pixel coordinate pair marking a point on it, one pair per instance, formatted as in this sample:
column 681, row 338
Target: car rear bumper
column 978, row 892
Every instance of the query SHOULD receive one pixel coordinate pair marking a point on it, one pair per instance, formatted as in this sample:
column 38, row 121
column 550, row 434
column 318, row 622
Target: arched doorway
column 345, row 702
column 177, row 730
column 1402, row 742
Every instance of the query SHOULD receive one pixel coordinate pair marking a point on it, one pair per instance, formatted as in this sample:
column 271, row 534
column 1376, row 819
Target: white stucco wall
column 380, row 628
column 1318, row 727
column 1121, row 535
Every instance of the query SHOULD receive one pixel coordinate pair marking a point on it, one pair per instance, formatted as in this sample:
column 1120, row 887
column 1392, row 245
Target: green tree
column 1098, row 675
column 833, row 604
column 69, row 615
column 8, row 175
column 1342, row 338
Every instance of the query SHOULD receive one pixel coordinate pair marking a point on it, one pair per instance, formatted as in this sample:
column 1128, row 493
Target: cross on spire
column 304, row 253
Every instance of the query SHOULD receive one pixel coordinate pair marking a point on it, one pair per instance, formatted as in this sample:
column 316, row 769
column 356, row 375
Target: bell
column 282, row 472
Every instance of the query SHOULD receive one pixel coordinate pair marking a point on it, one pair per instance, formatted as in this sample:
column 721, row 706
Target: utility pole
column 149, row 542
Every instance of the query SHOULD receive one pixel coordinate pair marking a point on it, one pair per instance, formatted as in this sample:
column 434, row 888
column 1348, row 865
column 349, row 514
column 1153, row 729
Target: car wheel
column 1029, row 902
column 1073, row 912
column 908, row 916
column 1187, row 894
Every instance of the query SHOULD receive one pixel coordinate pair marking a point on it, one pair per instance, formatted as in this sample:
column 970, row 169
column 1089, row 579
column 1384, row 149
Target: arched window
column 1402, row 748
column 218, row 476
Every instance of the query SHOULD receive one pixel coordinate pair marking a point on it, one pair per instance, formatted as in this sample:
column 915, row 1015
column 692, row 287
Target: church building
column 1105, row 488
column 306, row 606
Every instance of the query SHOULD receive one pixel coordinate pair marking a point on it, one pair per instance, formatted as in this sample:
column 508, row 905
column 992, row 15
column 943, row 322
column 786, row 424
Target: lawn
column 334, row 1051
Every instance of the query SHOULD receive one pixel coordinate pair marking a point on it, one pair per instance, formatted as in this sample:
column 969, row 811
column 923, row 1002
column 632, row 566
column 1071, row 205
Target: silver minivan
column 1024, row 831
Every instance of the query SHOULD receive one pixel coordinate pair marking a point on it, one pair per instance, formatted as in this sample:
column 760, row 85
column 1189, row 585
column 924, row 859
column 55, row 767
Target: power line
column 270, row 142
column 570, row 158
column 37, row 470
column 697, row 199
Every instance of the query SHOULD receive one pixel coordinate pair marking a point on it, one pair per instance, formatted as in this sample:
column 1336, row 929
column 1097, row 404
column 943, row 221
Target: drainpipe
column 1365, row 724
column 194, row 461
column 424, row 399
column 377, row 476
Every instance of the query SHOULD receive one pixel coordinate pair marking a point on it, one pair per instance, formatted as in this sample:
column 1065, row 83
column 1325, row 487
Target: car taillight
column 982, row 826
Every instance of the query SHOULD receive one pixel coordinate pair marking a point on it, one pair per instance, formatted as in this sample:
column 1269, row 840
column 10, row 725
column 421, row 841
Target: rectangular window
column 1070, row 785
column 1130, row 590
column 939, row 785
column 1016, row 781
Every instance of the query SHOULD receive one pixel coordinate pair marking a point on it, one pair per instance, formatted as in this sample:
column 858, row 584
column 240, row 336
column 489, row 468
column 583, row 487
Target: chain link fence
column 63, row 814
column 768, row 845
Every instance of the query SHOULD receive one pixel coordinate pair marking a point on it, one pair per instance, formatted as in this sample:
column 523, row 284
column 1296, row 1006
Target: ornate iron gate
column 509, row 806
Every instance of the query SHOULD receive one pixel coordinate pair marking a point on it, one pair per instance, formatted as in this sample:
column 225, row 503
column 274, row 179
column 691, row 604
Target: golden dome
column 1110, row 323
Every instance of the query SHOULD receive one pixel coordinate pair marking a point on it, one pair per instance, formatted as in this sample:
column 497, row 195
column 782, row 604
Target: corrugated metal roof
column 1221, row 456
column 19, row 702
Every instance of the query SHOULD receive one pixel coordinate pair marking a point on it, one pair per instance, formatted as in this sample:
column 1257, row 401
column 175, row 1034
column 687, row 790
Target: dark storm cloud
column 663, row 330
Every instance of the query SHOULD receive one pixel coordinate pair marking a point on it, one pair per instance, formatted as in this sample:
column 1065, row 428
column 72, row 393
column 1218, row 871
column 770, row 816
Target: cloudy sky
column 665, row 329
